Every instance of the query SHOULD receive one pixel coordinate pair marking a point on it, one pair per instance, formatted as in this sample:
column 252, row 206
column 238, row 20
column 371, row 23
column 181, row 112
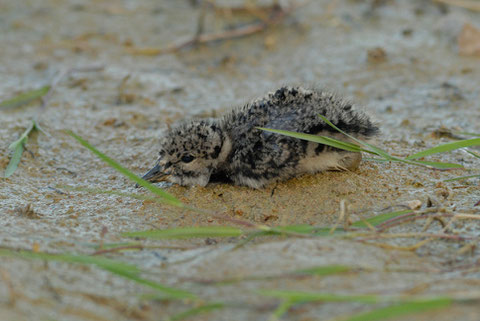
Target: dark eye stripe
column 187, row 158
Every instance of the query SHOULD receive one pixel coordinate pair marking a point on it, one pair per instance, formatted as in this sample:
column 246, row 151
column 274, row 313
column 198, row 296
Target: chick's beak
column 156, row 174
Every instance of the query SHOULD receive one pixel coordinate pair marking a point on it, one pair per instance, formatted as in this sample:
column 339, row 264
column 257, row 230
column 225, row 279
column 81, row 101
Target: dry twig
column 401, row 248
column 413, row 216
column 277, row 15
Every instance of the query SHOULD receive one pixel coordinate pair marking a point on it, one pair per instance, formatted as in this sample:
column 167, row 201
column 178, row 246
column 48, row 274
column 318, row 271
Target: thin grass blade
column 437, row 165
column 296, row 296
column 101, row 262
column 122, row 269
column 24, row 137
column 325, row 270
column 476, row 155
column 461, row 178
column 24, row 98
column 281, row 309
column 376, row 220
column 398, row 310
column 188, row 232
column 196, row 311
column 373, row 148
column 168, row 292
column 440, row 165
column 468, row 134
column 342, row 144
column 446, row 148
column 18, row 147
column 106, row 246
column 167, row 198
column 376, row 159
column 300, row 228
column 14, row 161
column 317, row 139
column 327, row 231
column 250, row 237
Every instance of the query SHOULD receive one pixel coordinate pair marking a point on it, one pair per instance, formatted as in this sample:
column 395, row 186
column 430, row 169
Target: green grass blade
column 250, row 237
column 297, row 230
column 282, row 309
column 461, row 178
column 24, row 137
column 24, row 98
column 106, row 246
column 124, row 270
column 169, row 292
column 300, row 228
column 375, row 159
column 325, row 270
column 14, row 161
column 296, row 296
column 188, row 232
column 376, row 220
column 314, row 271
column 473, row 154
column 468, row 134
column 196, row 311
column 446, row 148
column 342, row 145
column 440, row 165
column 18, row 146
column 437, row 165
column 327, row 231
column 317, row 139
column 376, row 150
column 99, row 261
column 397, row 310
column 167, row 198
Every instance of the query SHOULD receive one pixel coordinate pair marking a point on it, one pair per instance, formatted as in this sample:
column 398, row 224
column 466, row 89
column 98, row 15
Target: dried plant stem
column 413, row 216
column 342, row 218
column 401, row 248
column 467, row 4
column 278, row 15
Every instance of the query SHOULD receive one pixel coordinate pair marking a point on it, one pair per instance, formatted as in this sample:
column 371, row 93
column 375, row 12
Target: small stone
column 210, row 241
column 414, row 205
column 376, row 55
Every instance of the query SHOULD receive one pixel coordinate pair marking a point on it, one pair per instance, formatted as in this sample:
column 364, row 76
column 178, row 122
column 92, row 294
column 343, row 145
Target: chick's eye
column 187, row 158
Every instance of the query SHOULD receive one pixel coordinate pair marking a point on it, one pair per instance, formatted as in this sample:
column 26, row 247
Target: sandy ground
column 421, row 84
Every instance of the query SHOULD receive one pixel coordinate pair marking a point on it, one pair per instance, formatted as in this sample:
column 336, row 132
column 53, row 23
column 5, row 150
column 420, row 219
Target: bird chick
column 232, row 149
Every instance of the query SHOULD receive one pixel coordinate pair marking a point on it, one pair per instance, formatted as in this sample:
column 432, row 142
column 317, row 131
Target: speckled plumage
column 232, row 149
